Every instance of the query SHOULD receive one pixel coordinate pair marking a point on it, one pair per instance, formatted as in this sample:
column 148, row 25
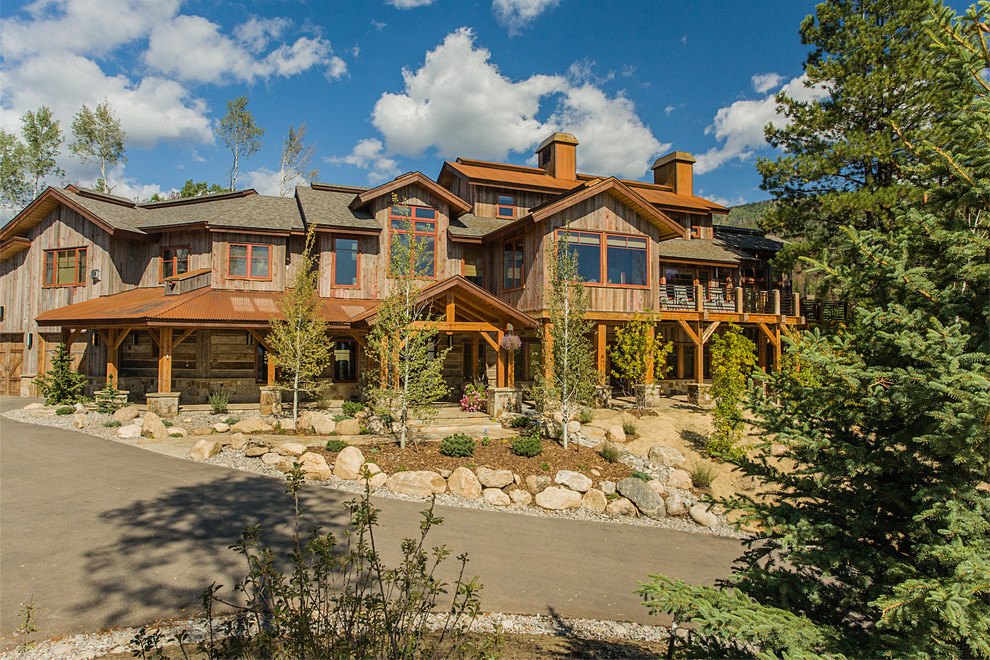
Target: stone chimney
column 676, row 170
column 558, row 156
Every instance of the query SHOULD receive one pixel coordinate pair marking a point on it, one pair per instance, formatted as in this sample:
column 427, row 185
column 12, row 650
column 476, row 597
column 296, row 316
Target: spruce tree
column 876, row 539
column 61, row 383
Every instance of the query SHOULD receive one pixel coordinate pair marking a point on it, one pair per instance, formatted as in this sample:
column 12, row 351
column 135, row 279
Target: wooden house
column 177, row 296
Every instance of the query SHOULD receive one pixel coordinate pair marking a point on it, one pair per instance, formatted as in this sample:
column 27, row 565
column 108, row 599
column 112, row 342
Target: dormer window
column 415, row 227
column 506, row 207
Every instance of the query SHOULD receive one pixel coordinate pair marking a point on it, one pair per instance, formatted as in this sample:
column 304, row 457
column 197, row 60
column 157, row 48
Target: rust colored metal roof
column 518, row 176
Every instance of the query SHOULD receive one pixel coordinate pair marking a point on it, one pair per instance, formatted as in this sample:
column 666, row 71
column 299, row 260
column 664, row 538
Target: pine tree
column 877, row 541
column 61, row 383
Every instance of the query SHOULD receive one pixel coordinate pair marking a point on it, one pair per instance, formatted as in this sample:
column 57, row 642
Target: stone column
column 271, row 400
column 163, row 404
column 504, row 399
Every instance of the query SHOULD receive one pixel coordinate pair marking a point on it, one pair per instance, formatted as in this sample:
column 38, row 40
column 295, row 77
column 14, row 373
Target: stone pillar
column 271, row 400
column 602, row 397
column 504, row 399
column 163, row 404
column 700, row 394
column 650, row 394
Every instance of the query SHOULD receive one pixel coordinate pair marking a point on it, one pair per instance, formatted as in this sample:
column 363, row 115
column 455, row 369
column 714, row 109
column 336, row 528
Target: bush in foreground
column 527, row 445
column 457, row 445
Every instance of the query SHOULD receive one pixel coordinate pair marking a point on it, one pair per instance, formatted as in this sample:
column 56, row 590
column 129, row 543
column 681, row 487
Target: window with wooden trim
column 345, row 362
column 345, row 261
column 512, row 263
column 175, row 261
column 65, row 267
column 413, row 237
column 249, row 261
column 473, row 264
column 610, row 259
column 506, row 207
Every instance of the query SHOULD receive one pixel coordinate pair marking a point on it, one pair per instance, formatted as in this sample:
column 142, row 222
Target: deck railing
column 825, row 311
column 727, row 299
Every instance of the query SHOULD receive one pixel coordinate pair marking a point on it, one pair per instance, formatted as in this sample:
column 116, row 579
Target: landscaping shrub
column 609, row 452
column 545, row 467
column 642, row 476
column 702, row 474
column 519, row 422
column 218, row 402
column 527, row 445
column 167, row 423
column 113, row 423
column 230, row 421
column 340, row 418
column 65, row 410
column 457, row 445
column 351, row 407
column 333, row 444
column 585, row 416
column 61, row 383
column 629, row 428
column 475, row 398
column 107, row 401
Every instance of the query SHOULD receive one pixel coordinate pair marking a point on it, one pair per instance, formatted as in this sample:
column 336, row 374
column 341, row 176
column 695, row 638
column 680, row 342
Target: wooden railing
column 727, row 299
column 825, row 311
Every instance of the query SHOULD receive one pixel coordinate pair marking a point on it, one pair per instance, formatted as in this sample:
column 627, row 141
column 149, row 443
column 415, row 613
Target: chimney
column 676, row 170
column 558, row 156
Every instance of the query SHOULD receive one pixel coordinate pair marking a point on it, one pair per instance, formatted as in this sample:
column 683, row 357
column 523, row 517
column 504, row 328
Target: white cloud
column 369, row 154
column 409, row 4
column 139, row 192
column 263, row 180
column 255, row 32
column 517, row 14
column 764, row 82
column 336, row 69
column 718, row 199
column 739, row 127
column 378, row 25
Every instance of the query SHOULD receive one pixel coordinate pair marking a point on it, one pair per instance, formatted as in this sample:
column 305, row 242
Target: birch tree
column 14, row 186
column 567, row 381
column 299, row 343
column 240, row 133
column 99, row 140
column 297, row 160
column 42, row 137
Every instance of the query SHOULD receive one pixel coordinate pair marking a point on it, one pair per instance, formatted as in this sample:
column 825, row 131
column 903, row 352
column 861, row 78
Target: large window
column 345, row 261
column 249, row 261
column 345, row 362
column 512, row 263
column 473, row 267
column 620, row 261
column 65, row 267
column 588, row 248
column 506, row 206
column 414, row 240
column 175, row 261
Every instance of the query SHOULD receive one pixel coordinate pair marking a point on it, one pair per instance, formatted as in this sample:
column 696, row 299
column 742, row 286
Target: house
column 177, row 296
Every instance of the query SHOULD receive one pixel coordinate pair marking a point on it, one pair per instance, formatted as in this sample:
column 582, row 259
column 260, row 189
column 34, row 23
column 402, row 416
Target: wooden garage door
column 11, row 360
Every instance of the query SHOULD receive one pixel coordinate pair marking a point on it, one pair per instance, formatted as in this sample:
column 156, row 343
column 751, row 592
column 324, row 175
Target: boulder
column 506, row 418
column 645, row 498
column 520, row 497
column 238, row 441
column 378, row 478
column 251, row 425
column 292, row 449
column 348, row 464
column 778, row 449
column 494, row 478
column 573, row 480
column 305, row 421
column 594, row 500
column 79, row 421
column 445, row 473
column 178, row 431
column 221, row 427
column 42, row 412
column 314, row 466
column 537, row 482
column 608, row 487
column 701, row 515
column 573, row 428
column 270, row 458
column 129, row 432
column 496, row 497
column 463, row 483
column 201, row 431
column 680, row 479
column 324, row 425
column 675, row 504
column 666, row 456
column 125, row 414
column 255, row 450
column 419, row 483
column 593, row 432
column 376, row 425
column 659, row 487
column 204, row 449
column 615, row 433
column 80, row 408
column 556, row 498
column 36, row 405
column 622, row 507
column 349, row 427
column 153, row 427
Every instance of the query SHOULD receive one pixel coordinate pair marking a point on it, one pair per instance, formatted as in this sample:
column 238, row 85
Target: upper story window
column 175, row 261
column 413, row 237
column 587, row 246
column 345, row 261
column 612, row 259
column 251, row 261
column 65, row 267
column 512, row 263
column 506, row 207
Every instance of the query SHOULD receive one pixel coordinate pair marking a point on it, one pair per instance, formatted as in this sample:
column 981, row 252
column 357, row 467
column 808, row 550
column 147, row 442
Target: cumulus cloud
column 764, row 82
column 256, row 32
column 517, row 14
column 739, row 127
column 369, row 154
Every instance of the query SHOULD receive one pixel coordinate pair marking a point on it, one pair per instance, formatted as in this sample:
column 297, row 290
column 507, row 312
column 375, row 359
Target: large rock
column 348, row 427
column 221, row 427
column 378, row 478
column 573, row 480
column 573, row 428
column 36, row 406
column 608, row 487
column 701, row 515
column 125, row 414
column 666, row 456
column 201, row 431
column 645, row 498
column 79, row 421
column 153, row 427
column 535, row 483
column 129, row 432
column 496, row 497
column 348, row 464
column 251, row 425
column 204, row 449
column 659, row 487
column 463, row 483
column 622, row 507
column 314, row 466
column 520, row 497
column 594, row 500
column 675, row 504
column 494, row 478
column 255, row 450
column 270, row 458
column 615, row 433
column 238, row 441
column 556, row 498
column 317, row 422
column 80, row 408
column 680, row 479
column 419, row 483
column 292, row 449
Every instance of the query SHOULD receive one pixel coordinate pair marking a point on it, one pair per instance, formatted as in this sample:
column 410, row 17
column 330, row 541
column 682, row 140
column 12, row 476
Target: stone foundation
column 602, row 397
column 163, row 404
column 504, row 399
column 651, row 395
column 700, row 395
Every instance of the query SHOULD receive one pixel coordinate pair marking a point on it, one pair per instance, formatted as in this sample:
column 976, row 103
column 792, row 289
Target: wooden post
column 776, row 302
column 500, row 365
column 600, row 333
column 699, row 298
column 650, row 340
column 165, row 360
column 42, row 354
column 112, row 355
column 776, row 348
column 699, row 355
column 739, row 300
column 548, row 351
column 796, row 304
column 475, row 338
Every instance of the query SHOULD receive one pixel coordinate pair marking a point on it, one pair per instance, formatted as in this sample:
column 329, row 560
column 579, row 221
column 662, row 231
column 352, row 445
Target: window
column 414, row 238
column 249, row 261
column 345, row 362
column 625, row 259
column 175, row 261
column 588, row 248
column 473, row 268
column 506, row 206
column 345, row 261
column 512, row 264
column 679, row 276
column 65, row 267
column 260, row 364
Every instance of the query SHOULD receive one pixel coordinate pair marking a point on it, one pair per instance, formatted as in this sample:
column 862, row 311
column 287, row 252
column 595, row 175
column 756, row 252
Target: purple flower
column 511, row 342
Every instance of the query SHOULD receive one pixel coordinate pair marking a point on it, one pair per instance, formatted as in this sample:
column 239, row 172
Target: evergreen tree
column 240, row 134
column 198, row 188
column 43, row 137
column 99, row 140
column 61, row 383
column 877, row 541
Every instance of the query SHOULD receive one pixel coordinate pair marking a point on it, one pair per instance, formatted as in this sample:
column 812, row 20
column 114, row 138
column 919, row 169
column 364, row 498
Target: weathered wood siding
column 279, row 264
column 485, row 200
column 198, row 241
column 370, row 262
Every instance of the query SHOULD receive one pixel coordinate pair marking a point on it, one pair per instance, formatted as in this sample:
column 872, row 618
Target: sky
column 391, row 86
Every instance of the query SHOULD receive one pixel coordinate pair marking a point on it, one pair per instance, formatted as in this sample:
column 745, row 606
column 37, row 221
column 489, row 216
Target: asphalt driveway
column 100, row 534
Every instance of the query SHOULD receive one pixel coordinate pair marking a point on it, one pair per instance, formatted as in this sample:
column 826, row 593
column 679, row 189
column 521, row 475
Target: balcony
column 729, row 300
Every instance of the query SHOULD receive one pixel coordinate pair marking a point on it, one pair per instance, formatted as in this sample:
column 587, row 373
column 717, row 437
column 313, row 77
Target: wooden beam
column 165, row 360
column 360, row 340
column 775, row 340
column 184, row 336
column 451, row 308
column 258, row 337
column 709, row 331
column 154, row 338
column 776, row 348
column 474, row 355
column 689, row 332
column 699, row 357
column 650, row 341
column 120, row 337
column 491, row 342
column 113, row 354
column 548, row 351
column 500, row 365
column 458, row 326
column 600, row 333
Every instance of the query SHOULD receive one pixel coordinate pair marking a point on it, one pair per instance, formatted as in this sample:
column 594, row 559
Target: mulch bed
column 497, row 456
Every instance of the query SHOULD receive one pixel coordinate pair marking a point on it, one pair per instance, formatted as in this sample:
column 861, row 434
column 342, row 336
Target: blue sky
column 386, row 88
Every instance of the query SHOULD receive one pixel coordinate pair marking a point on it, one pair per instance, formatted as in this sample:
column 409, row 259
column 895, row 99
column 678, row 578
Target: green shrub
column 363, row 430
column 486, row 441
column 585, row 416
column 519, row 422
column 175, row 435
column 351, row 407
column 65, row 410
column 527, row 445
column 702, row 474
column 167, row 423
column 107, row 401
column 113, row 423
column 333, row 444
column 218, row 402
column 61, row 383
column 609, row 452
column 457, row 445
column 629, row 428
column 230, row 421
column 724, row 448
column 642, row 476
column 545, row 467
column 340, row 418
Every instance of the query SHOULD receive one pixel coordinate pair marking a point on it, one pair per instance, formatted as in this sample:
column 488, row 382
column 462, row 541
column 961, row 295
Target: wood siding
column 199, row 242
column 485, row 200
column 279, row 262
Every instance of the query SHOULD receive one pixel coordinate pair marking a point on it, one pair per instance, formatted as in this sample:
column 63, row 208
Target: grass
column 642, row 476
column 629, row 428
column 585, row 416
column 230, row 421
column 335, row 445
column 609, row 452
column 113, row 423
column 702, row 474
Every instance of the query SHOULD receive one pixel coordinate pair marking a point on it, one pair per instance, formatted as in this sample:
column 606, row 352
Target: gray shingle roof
column 747, row 239
column 700, row 249
column 471, row 226
column 248, row 212
column 119, row 213
column 329, row 207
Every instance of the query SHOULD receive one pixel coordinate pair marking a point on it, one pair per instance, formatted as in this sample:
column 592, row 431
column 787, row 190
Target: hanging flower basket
column 511, row 342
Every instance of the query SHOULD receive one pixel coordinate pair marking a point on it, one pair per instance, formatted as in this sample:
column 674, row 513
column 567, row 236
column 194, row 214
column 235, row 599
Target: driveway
column 100, row 534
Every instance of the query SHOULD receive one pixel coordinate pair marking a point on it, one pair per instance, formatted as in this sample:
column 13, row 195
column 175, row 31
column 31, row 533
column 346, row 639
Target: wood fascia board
column 414, row 178
column 40, row 202
column 699, row 262
column 340, row 229
column 14, row 245
column 473, row 240
column 247, row 230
